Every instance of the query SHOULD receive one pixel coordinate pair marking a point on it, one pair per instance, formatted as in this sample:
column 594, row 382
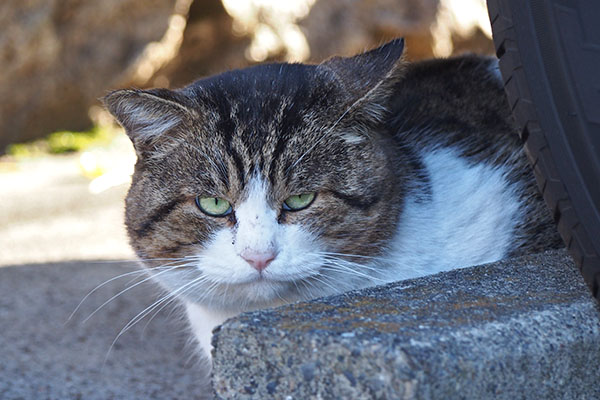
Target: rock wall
column 349, row 26
column 59, row 56
column 209, row 46
column 432, row 28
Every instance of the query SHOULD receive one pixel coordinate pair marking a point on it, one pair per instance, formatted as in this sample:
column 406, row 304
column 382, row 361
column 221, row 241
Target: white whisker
column 173, row 298
column 346, row 267
column 351, row 272
column 138, row 272
column 149, row 309
column 350, row 263
column 129, row 288
column 318, row 279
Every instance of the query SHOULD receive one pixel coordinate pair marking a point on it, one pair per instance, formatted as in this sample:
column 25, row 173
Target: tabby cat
column 285, row 182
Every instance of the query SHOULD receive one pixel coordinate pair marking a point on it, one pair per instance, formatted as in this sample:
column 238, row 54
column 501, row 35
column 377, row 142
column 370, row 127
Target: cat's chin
column 257, row 293
column 263, row 292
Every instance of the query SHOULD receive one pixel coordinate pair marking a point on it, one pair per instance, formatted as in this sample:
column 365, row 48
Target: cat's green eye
column 298, row 202
column 213, row 206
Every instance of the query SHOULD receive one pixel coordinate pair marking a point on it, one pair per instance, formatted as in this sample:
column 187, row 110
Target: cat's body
column 287, row 182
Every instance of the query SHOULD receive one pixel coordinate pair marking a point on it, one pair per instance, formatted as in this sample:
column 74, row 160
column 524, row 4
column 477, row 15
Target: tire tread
column 536, row 147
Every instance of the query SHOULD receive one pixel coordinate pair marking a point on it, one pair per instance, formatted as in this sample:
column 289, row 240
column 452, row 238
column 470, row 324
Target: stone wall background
column 59, row 56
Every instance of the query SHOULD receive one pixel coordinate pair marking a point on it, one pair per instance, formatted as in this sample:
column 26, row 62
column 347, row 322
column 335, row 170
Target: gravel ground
column 47, row 356
column 48, row 213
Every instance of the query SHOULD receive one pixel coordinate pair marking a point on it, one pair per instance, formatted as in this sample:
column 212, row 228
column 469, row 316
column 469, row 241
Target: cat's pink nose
column 258, row 259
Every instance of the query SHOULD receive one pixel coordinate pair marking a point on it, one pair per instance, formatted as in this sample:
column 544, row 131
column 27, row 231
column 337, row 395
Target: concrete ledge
column 522, row 328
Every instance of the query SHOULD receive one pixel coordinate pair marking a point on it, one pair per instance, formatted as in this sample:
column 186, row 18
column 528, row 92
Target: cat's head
column 264, row 184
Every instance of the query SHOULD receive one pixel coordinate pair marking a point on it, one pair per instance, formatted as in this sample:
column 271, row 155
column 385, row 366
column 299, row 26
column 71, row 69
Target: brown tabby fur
column 348, row 129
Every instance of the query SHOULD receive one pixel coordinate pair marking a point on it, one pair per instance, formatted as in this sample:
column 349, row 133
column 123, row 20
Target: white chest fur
column 202, row 321
column 470, row 218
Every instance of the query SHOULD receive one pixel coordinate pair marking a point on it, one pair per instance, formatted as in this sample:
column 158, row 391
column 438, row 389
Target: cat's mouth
column 270, row 280
column 263, row 291
column 265, row 277
column 261, row 280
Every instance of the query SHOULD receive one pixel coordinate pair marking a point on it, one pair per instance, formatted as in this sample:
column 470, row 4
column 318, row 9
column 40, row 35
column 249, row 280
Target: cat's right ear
column 368, row 79
column 373, row 71
column 148, row 116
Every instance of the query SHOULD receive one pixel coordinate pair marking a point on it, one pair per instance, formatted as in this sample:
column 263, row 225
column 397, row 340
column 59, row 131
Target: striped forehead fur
column 264, row 121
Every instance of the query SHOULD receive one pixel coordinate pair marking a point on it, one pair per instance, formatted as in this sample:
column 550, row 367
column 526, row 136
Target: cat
column 285, row 182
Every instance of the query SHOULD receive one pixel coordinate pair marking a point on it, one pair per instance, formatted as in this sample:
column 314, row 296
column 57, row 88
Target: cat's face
column 263, row 185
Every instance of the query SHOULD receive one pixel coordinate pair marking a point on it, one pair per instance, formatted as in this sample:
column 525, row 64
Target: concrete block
column 524, row 328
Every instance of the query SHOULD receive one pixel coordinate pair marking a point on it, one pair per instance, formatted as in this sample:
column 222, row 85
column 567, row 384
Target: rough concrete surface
column 42, row 356
column 516, row 329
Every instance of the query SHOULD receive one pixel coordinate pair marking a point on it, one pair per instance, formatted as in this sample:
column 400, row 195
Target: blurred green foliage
column 64, row 142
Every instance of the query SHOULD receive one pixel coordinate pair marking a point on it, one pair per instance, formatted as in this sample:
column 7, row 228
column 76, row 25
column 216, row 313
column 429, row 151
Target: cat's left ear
column 148, row 116
column 369, row 76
